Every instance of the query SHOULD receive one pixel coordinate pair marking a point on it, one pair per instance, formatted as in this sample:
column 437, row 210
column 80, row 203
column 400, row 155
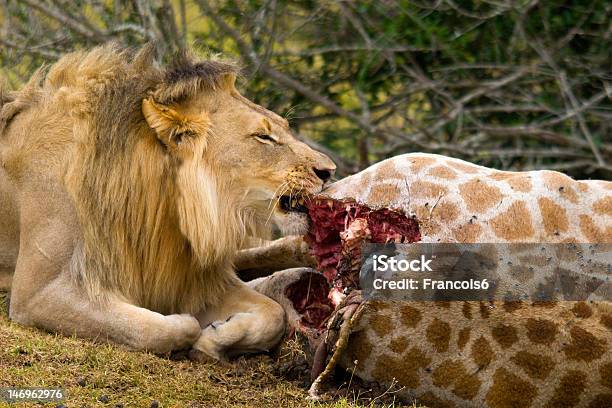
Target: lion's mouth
column 295, row 204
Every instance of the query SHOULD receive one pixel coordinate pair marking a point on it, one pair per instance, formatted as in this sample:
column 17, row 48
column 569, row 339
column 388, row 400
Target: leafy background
column 513, row 84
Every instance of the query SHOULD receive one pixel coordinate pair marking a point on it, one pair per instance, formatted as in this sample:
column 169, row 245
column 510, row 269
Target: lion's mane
column 158, row 232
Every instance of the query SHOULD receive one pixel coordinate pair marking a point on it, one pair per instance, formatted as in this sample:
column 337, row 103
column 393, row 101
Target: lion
column 126, row 190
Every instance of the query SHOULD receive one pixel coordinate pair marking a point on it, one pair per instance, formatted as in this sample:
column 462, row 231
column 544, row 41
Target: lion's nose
column 323, row 174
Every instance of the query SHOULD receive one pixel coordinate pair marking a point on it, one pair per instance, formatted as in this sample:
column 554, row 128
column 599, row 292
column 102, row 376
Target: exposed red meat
column 309, row 298
column 337, row 230
column 330, row 218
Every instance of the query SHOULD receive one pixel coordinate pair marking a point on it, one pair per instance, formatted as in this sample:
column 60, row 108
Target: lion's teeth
column 301, row 201
column 293, row 202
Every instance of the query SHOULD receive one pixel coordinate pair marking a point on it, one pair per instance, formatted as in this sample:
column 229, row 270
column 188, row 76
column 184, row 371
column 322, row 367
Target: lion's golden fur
column 145, row 234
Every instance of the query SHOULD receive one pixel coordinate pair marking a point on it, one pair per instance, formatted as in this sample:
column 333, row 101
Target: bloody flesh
column 329, row 218
column 337, row 230
column 309, row 298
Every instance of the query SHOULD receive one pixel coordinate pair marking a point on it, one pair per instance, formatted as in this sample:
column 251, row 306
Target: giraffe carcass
column 461, row 353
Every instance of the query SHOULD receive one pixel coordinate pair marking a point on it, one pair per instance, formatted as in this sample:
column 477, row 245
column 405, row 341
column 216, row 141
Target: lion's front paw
column 188, row 329
column 208, row 343
column 201, row 357
column 183, row 331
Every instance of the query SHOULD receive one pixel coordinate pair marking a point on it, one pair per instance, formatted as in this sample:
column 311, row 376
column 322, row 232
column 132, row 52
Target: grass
column 94, row 374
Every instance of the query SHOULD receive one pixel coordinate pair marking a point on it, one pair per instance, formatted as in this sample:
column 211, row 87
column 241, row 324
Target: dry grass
column 105, row 375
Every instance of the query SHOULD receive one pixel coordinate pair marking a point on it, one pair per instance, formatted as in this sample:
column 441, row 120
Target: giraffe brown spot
column 509, row 391
column 605, row 372
column 443, row 172
column 484, row 311
column 387, row 369
column 453, row 373
column 463, row 338
column 541, row 331
column 429, row 399
column 405, row 369
column 416, row 358
column 364, row 178
column 554, row 216
column 410, row 316
column 466, row 309
column 467, row 386
column 560, row 182
column 479, row 196
column 535, row 365
column 378, row 306
column 360, row 349
column 381, row 324
column 584, row 346
column 445, row 304
column 482, row 354
column 603, row 206
column 592, row 233
column 463, row 166
column 566, row 253
column 427, row 225
column 446, row 373
column 516, row 181
column 514, row 224
column 512, row 305
column 426, row 189
column 382, row 195
column 521, row 247
column 601, row 401
column 399, row 344
column 386, row 171
column 520, row 183
column 582, row 310
column 505, row 335
column 606, row 320
column 419, row 163
column 521, row 273
column 445, row 212
column 498, row 175
column 467, row 233
column 534, row 260
column 488, row 252
column 549, row 304
column 567, row 393
column 438, row 334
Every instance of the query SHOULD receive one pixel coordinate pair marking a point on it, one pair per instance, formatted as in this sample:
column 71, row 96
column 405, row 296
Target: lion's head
column 252, row 147
column 168, row 169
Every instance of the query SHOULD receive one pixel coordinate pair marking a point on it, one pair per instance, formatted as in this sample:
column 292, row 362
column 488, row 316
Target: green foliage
column 401, row 75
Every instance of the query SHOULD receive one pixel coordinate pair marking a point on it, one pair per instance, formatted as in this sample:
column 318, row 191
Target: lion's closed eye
column 265, row 138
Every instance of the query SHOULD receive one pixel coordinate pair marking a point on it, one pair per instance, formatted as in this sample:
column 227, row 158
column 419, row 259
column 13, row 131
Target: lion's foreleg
column 283, row 253
column 60, row 306
column 246, row 322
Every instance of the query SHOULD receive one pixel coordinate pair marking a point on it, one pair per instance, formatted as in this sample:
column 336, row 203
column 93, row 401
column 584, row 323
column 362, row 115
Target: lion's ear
column 171, row 126
column 228, row 81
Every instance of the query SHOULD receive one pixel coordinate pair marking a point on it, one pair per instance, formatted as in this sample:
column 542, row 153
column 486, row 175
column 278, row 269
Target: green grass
column 90, row 372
